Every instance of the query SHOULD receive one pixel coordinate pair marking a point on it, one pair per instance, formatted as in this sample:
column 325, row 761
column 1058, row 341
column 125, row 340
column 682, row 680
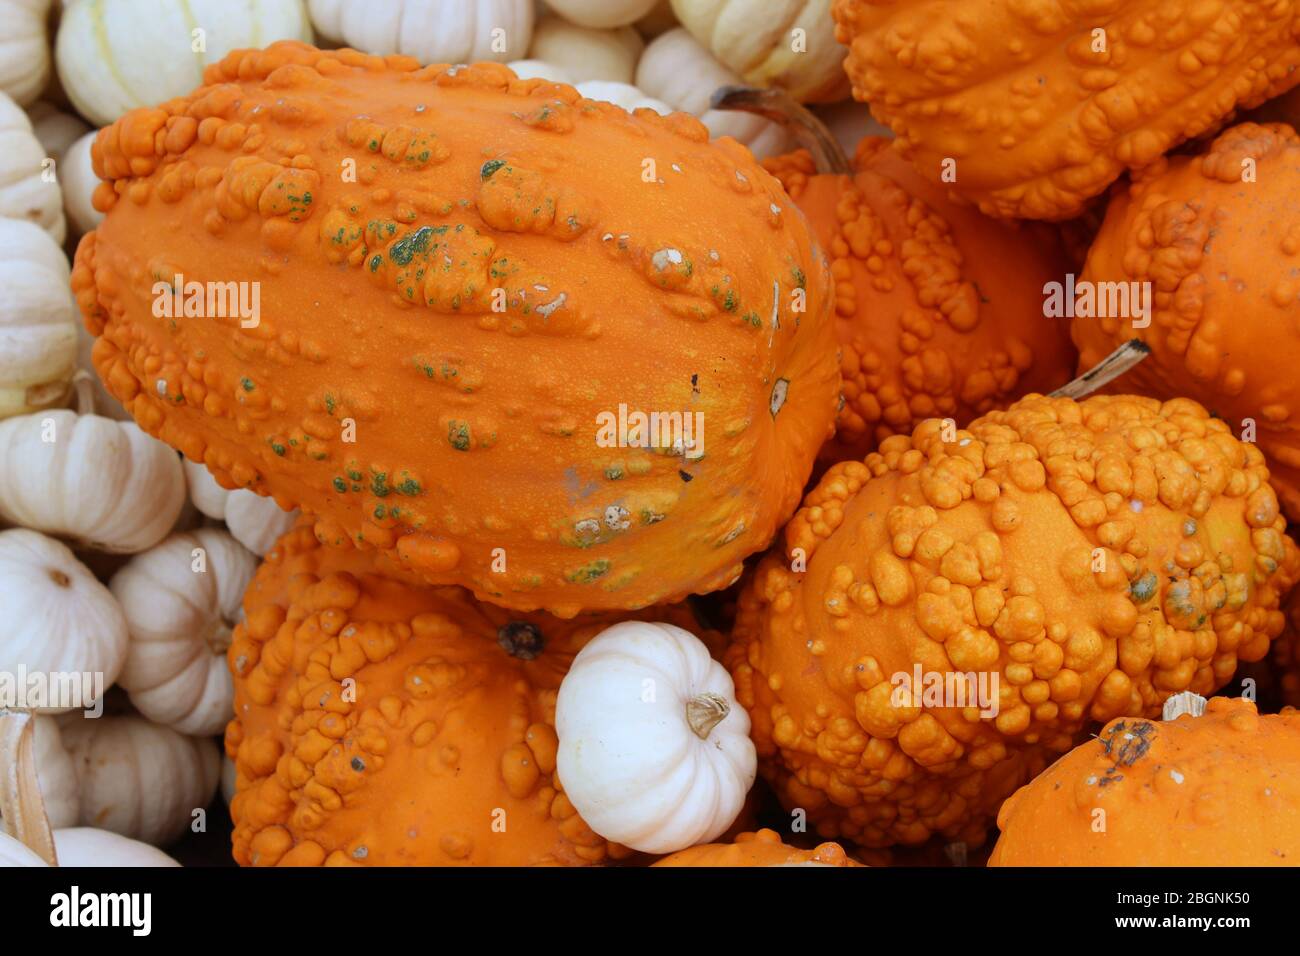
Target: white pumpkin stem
column 21, row 802
column 780, row 107
column 705, row 711
column 1111, row 367
column 1184, row 703
column 83, row 383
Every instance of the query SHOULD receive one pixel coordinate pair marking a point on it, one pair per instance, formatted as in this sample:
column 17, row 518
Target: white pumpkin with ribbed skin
column 58, row 618
column 27, row 191
column 432, row 31
column 115, row 55
column 138, row 778
column 55, row 130
column 24, row 48
column 654, row 751
column 78, row 179
column 587, row 54
column 38, row 320
column 623, row 95
column 676, row 69
column 181, row 600
column 540, row 69
column 602, row 14
column 102, row 483
column 255, row 521
column 756, row 39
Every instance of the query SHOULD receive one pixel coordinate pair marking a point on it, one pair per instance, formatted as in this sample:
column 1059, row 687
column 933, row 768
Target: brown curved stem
column 1111, row 367
column 21, row 802
column 780, row 107
column 704, row 712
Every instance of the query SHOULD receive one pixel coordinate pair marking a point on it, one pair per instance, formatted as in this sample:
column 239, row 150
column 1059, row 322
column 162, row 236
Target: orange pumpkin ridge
column 463, row 277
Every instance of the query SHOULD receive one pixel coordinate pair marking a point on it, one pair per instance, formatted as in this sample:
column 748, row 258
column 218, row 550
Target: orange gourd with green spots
column 1053, row 564
column 939, row 310
column 760, row 848
column 1219, row 789
column 470, row 287
column 384, row 722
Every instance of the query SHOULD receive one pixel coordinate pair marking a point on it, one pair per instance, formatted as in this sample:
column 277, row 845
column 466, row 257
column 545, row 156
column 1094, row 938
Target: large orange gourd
column 468, row 283
column 1219, row 789
column 381, row 721
column 939, row 310
column 1031, row 107
column 956, row 608
column 1214, row 237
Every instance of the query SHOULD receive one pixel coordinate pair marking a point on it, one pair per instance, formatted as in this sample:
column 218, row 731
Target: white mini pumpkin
column 115, row 55
column 181, row 600
column 675, row 68
column 56, row 774
column 654, row 751
column 539, row 69
column 255, row 521
column 432, row 31
column 59, row 619
column 55, row 130
column 587, row 54
column 622, row 94
column 757, row 40
column 28, row 189
column 38, row 320
column 24, row 48
column 101, row 483
column 602, row 14
column 138, row 778
column 78, row 180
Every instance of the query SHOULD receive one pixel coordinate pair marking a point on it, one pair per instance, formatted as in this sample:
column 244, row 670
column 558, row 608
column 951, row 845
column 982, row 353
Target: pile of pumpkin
column 463, row 610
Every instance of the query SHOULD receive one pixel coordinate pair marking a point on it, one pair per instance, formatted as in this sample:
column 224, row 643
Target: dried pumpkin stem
column 21, row 802
column 1185, row 703
column 1107, row 370
column 83, row 384
column 780, row 107
column 704, row 712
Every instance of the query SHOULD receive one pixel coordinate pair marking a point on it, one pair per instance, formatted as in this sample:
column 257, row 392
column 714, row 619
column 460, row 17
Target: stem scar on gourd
column 521, row 639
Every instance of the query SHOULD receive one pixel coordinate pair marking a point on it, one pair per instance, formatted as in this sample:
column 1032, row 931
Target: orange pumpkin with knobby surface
column 760, row 848
column 469, row 288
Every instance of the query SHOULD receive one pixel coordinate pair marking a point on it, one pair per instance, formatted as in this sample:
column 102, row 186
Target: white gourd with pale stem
column 115, row 55
column 181, row 600
column 55, row 130
column 28, row 838
column 587, row 54
column 255, row 521
column 676, row 69
column 101, row 483
column 138, row 778
column 24, row 48
column 78, row 179
column 654, row 752
column 602, row 14
column 432, row 31
column 26, row 190
column 38, row 320
column 59, row 618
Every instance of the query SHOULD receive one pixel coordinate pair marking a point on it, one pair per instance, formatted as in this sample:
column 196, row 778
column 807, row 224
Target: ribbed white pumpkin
column 58, row 618
column 255, row 521
column 432, row 31
column 114, row 55
column 24, row 48
column 587, row 54
column 675, row 68
column 102, row 483
column 181, row 600
column 622, row 94
column 38, row 320
column 78, row 180
column 28, row 189
column 540, row 69
column 602, row 14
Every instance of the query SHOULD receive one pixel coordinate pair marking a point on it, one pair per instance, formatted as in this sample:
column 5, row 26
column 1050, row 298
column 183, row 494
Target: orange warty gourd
column 760, row 848
column 946, row 614
column 1219, row 789
column 469, row 283
column 1221, row 257
column 939, row 310
column 1041, row 104
column 385, row 722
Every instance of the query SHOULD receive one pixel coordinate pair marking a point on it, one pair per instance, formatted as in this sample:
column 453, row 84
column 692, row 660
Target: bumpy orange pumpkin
column 1219, row 789
column 381, row 721
column 761, row 848
column 1222, row 260
column 1092, row 557
column 469, row 285
column 939, row 309
column 1042, row 104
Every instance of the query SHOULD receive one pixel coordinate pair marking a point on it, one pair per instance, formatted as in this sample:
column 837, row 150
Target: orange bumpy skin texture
column 1095, row 557
column 460, row 273
column 1042, row 104
column 1222, row 789
column 382, row 721
column 761, row 848
column 1222, row 257
column 939, row 310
